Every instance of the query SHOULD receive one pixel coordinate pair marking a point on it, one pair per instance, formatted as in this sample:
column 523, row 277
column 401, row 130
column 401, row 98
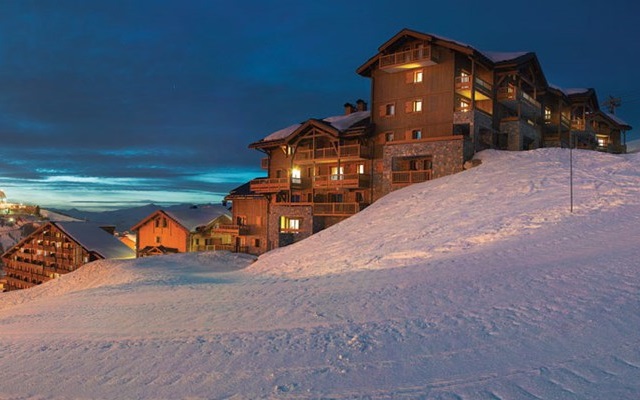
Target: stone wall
column 447, row 159
column 522, row 136
column 275, row 238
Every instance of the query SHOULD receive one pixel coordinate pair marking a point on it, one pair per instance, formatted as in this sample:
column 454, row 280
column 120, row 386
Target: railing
column 270, row 185
column 580, row 124
column 512, row 93
column 410, row 177
column 231, row 228
column 222, row 247
column 337, row 208
column 565, row 121
column 341, row 180
column 464, row 83
column 408, row 56
column 347, row 151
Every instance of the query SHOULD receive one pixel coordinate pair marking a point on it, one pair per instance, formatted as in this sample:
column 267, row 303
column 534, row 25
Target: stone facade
column 447, row 156
column 521, row 135
column 278, row 239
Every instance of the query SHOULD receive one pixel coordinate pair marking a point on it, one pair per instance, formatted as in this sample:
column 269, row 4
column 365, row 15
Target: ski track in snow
column 500, row 293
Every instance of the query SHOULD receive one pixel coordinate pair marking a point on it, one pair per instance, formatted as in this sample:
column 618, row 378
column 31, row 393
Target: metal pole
column 571, row 167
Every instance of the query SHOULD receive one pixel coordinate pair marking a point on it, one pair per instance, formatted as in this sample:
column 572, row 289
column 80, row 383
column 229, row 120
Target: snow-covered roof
column 497, row 56
column 192, row 218
column 616, row 119
column 339, row 122
column 95, row 239
column 572, row 91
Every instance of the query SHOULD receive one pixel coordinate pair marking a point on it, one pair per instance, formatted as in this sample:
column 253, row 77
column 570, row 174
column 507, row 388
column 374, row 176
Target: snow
column 480, row 285
column 192, row 218
column 340, row 122
column 633, row 146
column 498, row 57
column 616, row 119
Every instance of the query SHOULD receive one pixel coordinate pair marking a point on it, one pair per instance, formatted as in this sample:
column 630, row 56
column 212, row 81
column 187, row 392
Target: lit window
column 547, row 113
column 601, row 142
column 289, row 224
column 417, row 105
column 337, row 173
column 463, row 105
column 361, row 168
column 389, row 136
column 296, row 176
column 416, row 134
column 417, row 76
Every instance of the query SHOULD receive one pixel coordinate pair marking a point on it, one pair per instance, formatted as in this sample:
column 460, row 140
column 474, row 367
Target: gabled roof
column 615, row 120
column 334, row 125
column 583, row 95
column 95, row 239
column 190, row 218
column 89, row 236
column 404, row 34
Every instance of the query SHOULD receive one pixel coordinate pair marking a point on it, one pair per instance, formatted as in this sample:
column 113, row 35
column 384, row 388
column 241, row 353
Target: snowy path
column 523, row 309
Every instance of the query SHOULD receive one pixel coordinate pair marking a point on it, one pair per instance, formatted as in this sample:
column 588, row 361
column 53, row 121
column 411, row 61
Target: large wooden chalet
column 57, row 248
column 435, row 102
column 185, row 230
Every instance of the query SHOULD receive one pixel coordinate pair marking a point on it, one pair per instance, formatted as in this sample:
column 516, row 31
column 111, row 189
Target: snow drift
column 481, row 285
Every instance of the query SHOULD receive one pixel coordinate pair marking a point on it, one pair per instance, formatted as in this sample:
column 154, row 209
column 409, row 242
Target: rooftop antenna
column 611, row 103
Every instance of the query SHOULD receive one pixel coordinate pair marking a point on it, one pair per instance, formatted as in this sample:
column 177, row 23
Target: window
column 547, row 114
column 196, row 241
column 335, row 198
column 413, row 106
column 388, row 110
column 256, row 243
column 388, row 136
column 415, row 76
column 289, row 224
column 296, row 175
column 164, row 222
column 463, row 105
column 157, row 223
column 337, row 173
column 158, row 239
column 360, row 168
column 416, row 134
column 417, row 105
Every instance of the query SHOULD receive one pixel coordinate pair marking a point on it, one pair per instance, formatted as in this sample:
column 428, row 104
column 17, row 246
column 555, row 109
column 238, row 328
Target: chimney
column 361, row 105
column 349, row 108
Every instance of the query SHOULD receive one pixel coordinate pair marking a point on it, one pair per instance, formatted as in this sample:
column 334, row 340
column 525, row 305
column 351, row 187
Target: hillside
column 480, row 285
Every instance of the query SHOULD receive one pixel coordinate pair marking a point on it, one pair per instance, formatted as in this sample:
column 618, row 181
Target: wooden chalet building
column 57, row 248
column 186, row 230
column 435, row 102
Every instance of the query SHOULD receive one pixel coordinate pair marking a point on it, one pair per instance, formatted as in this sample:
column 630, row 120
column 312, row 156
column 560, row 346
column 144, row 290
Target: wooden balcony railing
column 232, row 229
column 463, row 84
column 331, row 153
column 422, row 56
column 349, row 181
column 337, row 209
column 410, row 177
column 509, row 94
column 270, row 185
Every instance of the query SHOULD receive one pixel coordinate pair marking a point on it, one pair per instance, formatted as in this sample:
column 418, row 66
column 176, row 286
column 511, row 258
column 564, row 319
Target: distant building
column 57, row 248
column 435, row 102
column 182, row 231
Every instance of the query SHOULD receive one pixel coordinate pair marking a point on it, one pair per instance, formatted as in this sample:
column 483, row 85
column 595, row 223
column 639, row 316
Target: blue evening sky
column 110, row 103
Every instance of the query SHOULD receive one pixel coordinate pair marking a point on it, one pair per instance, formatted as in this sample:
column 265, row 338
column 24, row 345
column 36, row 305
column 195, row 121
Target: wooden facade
column 58, row 248
column 182, row 231
column 435, row 102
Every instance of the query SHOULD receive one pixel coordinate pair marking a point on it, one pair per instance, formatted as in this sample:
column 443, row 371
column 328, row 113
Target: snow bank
column 480, row 285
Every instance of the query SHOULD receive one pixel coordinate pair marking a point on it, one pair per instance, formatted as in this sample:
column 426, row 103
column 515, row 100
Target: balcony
column 270, row 185
column 410, row 177
column 580, row 124
column 556, row 120
column 482, row 87
column 337, row 209
column 512, row 96
column 420, row 57
column 354, row 151
column 346, row 181
column 238, row 230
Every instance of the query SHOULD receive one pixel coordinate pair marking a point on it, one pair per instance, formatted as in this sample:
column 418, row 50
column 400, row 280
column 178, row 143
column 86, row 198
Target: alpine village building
column 185, row 230
column 57, row 248
column 435, row 102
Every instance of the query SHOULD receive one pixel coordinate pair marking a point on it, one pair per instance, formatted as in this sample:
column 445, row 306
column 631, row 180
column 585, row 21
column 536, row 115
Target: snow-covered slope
column 480, row 285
